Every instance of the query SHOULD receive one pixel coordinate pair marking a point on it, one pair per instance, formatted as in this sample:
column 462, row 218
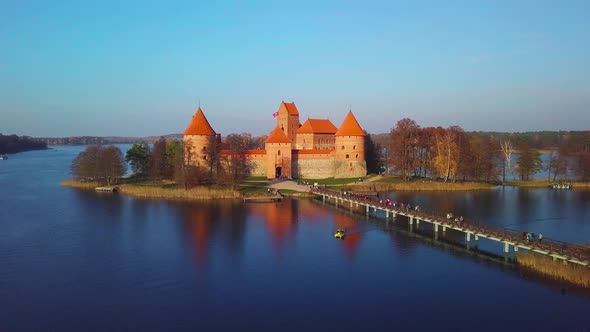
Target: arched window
column 342, row 147
column 357, row 156
column 205, row 148
column 354, row 147
column 346, row 156
column 279, row 152
column 204, row 157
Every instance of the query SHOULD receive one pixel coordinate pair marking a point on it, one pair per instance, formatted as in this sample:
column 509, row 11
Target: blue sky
column 140, row 68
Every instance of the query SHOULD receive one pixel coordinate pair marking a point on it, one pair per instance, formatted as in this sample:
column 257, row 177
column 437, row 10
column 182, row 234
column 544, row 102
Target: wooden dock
column 278, row 197
column 558, row 250
column 109, row 189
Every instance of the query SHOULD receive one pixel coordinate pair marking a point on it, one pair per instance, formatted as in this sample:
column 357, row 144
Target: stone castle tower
column 197, row 138
column 350, row 148
column 278, row 154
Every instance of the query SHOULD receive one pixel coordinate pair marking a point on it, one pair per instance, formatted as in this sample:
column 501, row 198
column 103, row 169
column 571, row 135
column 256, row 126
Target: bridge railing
column 519, row 237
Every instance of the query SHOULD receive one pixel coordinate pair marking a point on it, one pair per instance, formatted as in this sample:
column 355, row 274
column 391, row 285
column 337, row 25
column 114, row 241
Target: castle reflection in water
column 278, row 227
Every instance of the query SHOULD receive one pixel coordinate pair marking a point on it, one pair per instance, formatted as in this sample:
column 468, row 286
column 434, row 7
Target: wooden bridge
column 558, row 250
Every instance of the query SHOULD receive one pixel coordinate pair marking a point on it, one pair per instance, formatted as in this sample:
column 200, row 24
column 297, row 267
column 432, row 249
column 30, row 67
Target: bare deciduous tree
column 507, row 151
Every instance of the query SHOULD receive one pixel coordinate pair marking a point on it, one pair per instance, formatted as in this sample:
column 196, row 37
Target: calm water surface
column 79, row 261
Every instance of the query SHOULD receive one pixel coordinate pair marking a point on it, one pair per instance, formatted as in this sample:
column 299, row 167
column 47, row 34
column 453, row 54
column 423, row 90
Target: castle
column 315, row 149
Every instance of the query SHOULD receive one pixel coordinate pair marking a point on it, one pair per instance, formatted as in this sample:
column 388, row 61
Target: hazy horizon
column 135, row 69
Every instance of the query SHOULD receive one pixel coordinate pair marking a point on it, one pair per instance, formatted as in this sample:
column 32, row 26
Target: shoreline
column 167, row 192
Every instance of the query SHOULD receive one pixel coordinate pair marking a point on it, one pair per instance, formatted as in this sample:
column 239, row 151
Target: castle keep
column 315, row 149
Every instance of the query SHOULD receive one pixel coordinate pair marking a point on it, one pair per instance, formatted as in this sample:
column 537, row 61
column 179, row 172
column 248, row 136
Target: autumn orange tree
column 446, row 154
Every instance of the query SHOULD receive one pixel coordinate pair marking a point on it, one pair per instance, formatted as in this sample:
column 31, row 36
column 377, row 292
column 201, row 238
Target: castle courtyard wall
column 313, row 166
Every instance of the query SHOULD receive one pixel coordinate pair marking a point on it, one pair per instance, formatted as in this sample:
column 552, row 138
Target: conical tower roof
column 199, row 125
column 277, row 136
column 350, row 127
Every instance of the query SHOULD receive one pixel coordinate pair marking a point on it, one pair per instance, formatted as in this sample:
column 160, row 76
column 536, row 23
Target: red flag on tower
column 275, row 114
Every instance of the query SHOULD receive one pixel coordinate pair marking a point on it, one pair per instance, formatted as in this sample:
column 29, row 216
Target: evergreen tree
column 529, row 163
column 138, row 156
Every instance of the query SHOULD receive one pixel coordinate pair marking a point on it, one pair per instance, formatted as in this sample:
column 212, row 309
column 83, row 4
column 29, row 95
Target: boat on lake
column 3, row 157
column 561, row 185
column 340, row 233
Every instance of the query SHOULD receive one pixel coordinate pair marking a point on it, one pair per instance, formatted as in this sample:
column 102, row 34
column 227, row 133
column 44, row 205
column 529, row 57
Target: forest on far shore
column 14, row 144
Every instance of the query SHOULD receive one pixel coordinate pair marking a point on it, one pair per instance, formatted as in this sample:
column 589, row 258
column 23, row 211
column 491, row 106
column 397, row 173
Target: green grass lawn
column 333, row 181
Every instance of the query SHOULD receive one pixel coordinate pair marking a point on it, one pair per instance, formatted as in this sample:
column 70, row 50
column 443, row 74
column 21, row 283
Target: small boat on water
column 561, row 185
column 3, row 157
column 340, row 233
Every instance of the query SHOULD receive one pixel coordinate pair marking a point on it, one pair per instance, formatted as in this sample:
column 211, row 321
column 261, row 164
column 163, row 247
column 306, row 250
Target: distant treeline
column 540, row 140
column 103, row 140
column 14, row 144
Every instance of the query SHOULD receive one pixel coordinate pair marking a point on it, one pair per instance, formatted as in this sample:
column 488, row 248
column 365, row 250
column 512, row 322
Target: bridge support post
column 411, row 220
column 367, row 209
column 436, row 228
column 417, row 223
column 444, row 229
column 506, row 247
column 476, row 240
column 324, row 198
column 386, row 215
column 336, row 201
column 515, row 248
column 467, row 237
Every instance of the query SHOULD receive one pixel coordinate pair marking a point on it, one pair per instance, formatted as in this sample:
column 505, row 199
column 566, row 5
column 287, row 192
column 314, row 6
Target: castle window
column 354, row 147
column 279, row 152
column 204, row 157
column 357, row 156
column 346, row 156
column 204, row 148
column 343, row 147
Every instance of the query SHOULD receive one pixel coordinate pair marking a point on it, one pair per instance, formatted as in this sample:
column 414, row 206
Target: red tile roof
column 277, row 136
column 317, row 126
column 291, row 108
column 350, row 127
column 199, row 125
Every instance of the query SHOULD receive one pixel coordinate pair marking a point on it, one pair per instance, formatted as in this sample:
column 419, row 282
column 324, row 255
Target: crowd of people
column 532, row 237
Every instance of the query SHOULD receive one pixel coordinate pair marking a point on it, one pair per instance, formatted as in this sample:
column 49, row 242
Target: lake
column 75, row 260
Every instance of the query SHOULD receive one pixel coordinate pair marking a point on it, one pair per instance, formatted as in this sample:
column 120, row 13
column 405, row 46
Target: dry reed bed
column 573, row 273
column 197, row 193
column 157, row 192
column 79, row 184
